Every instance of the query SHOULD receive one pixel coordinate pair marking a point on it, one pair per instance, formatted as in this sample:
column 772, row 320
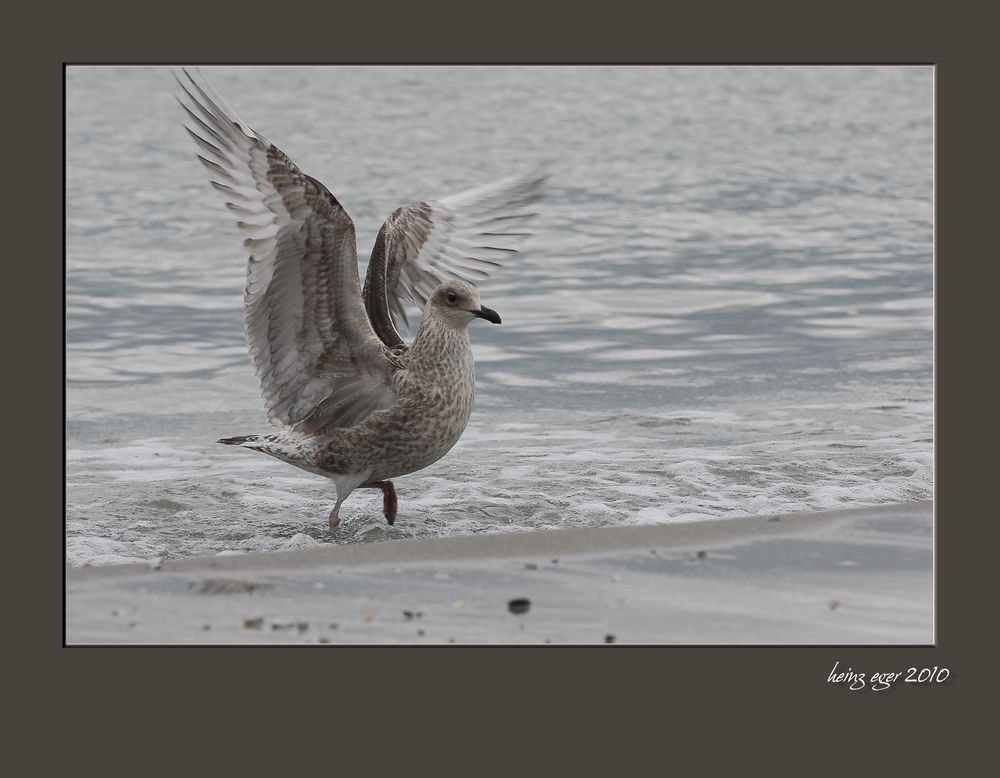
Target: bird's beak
column 487, row 313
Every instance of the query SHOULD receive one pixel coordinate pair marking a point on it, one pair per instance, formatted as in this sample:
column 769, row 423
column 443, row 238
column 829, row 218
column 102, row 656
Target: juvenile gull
column 353, row 401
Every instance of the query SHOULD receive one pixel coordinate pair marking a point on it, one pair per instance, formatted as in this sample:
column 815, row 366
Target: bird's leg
column 335, row 514
column 389, row 503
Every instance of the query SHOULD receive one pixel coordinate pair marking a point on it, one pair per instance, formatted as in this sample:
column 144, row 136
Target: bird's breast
column 441, row 388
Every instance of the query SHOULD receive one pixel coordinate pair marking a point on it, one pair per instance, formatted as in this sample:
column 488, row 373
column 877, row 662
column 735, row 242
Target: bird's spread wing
column 319, row 362
column 425, row 244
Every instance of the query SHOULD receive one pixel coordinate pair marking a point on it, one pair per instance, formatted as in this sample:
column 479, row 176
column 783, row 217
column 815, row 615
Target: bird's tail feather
column 239, row 441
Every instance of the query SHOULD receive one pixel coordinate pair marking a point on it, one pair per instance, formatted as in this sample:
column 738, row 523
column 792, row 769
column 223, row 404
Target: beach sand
column 860, row 576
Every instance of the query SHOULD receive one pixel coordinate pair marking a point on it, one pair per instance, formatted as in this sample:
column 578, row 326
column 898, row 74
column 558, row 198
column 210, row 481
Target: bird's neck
column 440, row 347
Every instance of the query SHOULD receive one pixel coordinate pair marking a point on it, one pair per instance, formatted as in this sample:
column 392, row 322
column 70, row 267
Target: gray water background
column 726, row 309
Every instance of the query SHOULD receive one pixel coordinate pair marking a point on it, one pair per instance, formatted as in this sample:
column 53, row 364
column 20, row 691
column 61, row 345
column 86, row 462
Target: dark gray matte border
column 601, row 708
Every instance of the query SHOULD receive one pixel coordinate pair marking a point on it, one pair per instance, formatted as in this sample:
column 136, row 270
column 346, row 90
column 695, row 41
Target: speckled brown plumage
column 353, row 401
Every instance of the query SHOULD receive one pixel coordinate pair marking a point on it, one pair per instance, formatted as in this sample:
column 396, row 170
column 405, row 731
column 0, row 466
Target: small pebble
column 368, row 618
column 324, row 639
column 256, row 623
column 531, row 566
column 609, row 638
column 834, row 604
column 520, row 605
column 555, row 561
column 420, row 632
column 302, row 626
column 702, row 554
column 206, row 627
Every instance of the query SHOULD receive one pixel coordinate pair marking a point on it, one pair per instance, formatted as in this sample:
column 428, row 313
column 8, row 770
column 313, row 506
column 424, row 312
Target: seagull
column 353, row 401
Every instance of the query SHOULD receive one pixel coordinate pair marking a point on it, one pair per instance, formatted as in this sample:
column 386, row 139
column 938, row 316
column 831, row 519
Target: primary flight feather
column 354, row 402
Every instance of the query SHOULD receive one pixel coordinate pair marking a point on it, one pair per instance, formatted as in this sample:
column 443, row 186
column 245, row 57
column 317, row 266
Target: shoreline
column 854, row 575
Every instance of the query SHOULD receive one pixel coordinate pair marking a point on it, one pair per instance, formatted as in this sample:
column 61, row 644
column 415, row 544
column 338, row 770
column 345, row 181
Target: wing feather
column 467, row 235
column 319, row 363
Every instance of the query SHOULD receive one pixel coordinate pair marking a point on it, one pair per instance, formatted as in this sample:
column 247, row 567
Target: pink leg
column 335, row 514
column 389, row 503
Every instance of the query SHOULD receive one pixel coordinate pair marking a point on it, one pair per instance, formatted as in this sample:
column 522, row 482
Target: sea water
column 726, row 310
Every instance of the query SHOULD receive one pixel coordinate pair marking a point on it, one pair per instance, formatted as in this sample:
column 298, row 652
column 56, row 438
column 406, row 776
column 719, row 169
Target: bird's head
column 457, row 302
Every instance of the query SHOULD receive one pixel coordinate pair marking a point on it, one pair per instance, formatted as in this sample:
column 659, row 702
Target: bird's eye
column 452, row 297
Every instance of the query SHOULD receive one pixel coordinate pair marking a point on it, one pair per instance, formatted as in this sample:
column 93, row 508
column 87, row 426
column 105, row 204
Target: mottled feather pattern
column 465, row 236
column 302, row 298
column 356, row 403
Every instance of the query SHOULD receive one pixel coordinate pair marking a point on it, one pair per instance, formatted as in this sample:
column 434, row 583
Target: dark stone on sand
column 519, row 605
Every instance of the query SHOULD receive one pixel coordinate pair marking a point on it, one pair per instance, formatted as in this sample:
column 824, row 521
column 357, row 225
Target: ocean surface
column 726, row 310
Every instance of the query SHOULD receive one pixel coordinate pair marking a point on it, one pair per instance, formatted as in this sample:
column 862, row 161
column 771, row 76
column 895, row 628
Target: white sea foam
column 550, row 470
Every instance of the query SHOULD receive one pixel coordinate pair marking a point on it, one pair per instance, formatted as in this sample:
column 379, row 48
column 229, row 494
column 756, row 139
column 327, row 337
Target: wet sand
column 860, row 576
